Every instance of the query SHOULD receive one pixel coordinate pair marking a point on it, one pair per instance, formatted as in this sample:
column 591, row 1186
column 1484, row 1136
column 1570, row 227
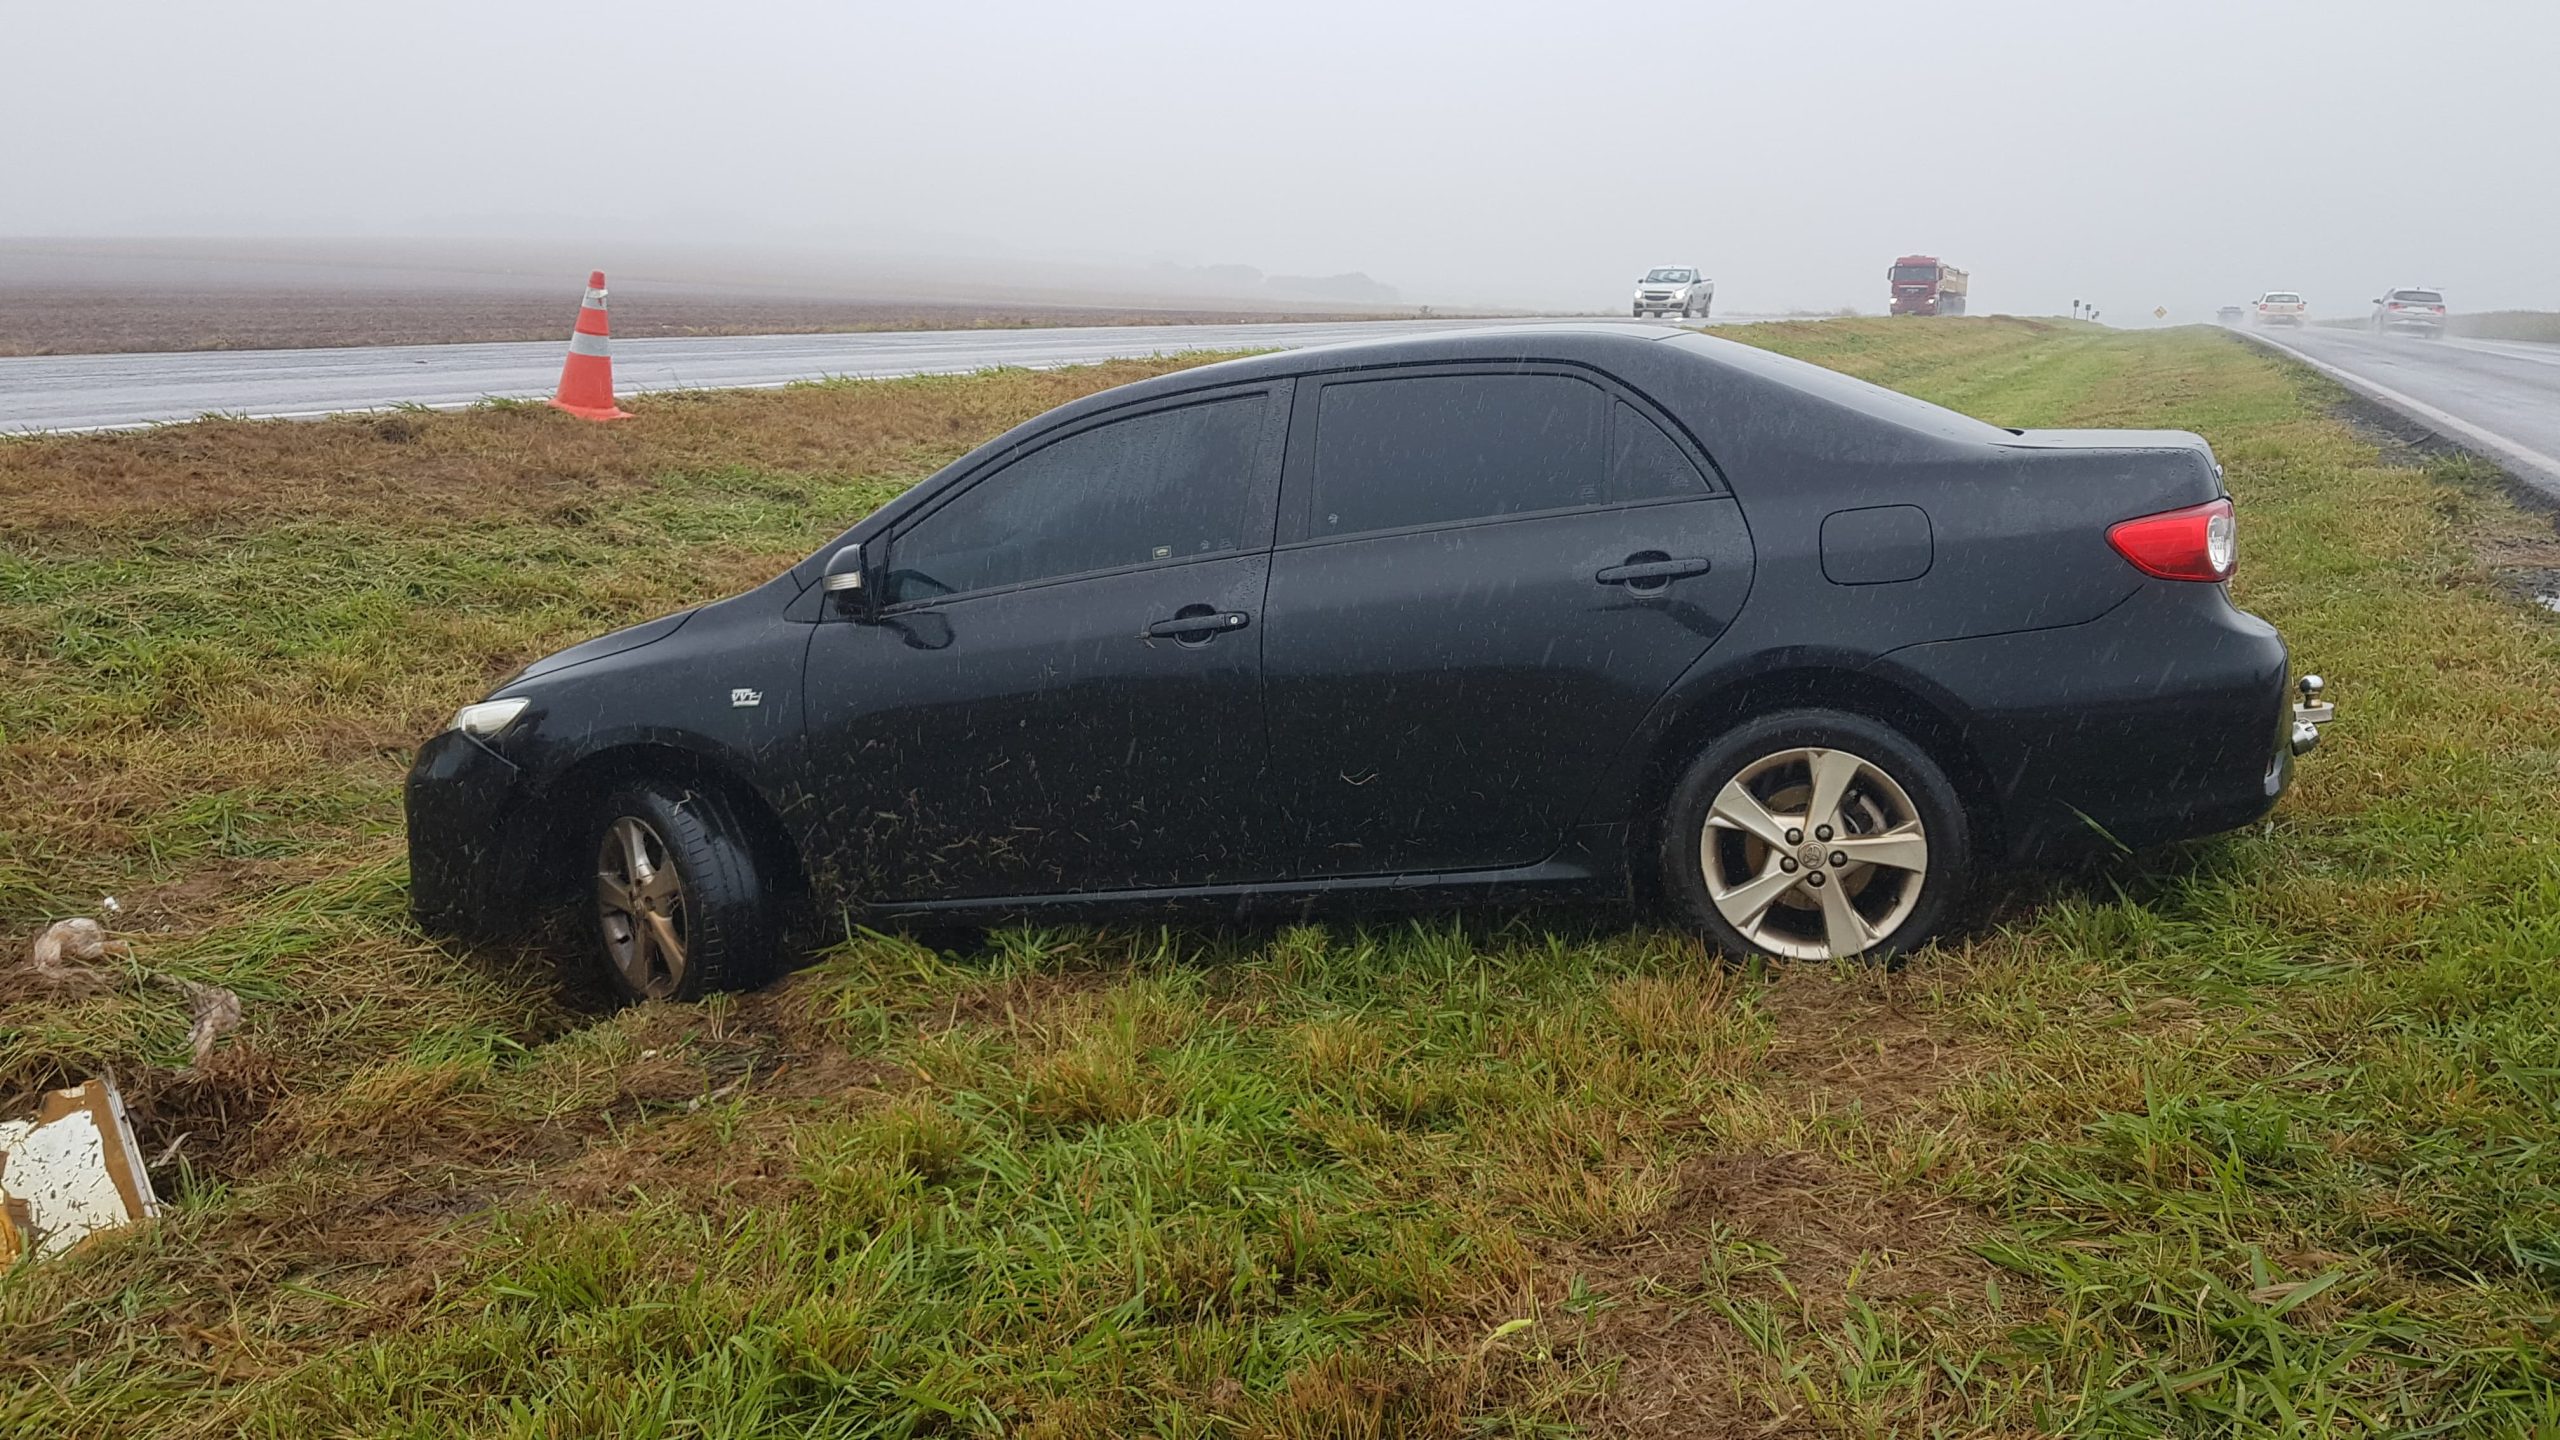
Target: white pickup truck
column 1675, row 289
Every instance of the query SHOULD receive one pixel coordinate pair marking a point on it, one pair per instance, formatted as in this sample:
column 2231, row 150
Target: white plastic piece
column 70, row 1172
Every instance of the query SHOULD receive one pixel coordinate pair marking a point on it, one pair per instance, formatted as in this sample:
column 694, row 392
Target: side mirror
column 848, row 582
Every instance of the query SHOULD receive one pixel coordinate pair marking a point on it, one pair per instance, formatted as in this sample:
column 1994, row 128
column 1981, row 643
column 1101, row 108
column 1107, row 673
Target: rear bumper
column 470, row 862
column 2166, row 718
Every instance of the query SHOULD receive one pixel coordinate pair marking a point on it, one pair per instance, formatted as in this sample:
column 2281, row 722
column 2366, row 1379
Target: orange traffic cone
column 586, row 381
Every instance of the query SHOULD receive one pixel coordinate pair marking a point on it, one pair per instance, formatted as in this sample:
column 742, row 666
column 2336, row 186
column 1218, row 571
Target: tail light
column 2200, row 542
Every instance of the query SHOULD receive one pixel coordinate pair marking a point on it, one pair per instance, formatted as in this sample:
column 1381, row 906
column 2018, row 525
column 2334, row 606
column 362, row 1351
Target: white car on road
column 1675, row 289
column 2280, row 307
column 2416, row 309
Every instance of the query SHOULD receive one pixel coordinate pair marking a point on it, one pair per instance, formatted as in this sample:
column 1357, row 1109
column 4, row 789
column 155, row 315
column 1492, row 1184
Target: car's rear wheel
column 1812, row 834
column 681, row 906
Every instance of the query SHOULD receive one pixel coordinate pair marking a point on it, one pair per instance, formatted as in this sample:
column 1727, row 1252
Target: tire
column 1893, row 795
column 712, row 926
column 1639, row 312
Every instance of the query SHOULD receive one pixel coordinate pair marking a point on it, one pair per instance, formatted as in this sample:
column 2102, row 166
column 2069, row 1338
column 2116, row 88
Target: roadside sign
column 2159, row 312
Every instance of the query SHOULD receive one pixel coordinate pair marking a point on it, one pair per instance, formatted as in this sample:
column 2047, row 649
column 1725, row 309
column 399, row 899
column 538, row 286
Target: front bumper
column 2164, row 719
column 471, row 861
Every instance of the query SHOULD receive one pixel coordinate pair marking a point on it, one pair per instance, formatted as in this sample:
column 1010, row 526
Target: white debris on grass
column 61, row 957
column 70, row 1171
column 217, row 1013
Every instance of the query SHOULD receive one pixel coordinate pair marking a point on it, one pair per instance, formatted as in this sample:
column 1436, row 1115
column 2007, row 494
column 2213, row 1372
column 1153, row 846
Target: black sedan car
column 1563, row 611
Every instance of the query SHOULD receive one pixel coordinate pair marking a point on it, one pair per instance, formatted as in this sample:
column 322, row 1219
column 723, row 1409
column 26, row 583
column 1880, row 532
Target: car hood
column 647, row 632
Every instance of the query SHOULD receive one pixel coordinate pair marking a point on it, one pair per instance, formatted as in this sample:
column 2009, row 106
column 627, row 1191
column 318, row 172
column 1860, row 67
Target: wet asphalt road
column 87, row 392
column 2497, row 397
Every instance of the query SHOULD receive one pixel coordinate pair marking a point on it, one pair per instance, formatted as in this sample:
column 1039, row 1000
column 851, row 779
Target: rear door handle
column 1653, row 574
column 1198, row 629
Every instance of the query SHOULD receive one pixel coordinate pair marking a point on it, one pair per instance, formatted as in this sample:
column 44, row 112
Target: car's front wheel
column 681, row 906
column 1812, row 834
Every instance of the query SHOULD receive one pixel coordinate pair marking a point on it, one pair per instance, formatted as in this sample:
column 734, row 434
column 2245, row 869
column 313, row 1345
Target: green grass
column 2250, row 1136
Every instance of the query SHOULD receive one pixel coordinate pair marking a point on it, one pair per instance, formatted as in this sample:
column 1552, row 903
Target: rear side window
column 1437, row 449
column 1166, row 485
column 1644, row 463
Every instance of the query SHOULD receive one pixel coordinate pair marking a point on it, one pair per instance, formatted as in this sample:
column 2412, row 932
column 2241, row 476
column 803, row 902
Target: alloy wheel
column 640, row 905
column 1814, row 853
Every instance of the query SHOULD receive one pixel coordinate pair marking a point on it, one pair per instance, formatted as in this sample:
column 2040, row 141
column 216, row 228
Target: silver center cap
column 1809, row 856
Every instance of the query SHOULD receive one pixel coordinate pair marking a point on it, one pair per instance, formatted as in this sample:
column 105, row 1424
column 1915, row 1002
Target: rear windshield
column 1670, row 277
column 1844, row 390
column 2283, row 297
column 2418, row 297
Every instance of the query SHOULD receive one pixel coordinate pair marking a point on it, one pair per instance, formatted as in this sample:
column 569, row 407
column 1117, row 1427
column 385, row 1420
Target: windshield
column 2418, row 297
column 1669, row 277
column 1915, row 274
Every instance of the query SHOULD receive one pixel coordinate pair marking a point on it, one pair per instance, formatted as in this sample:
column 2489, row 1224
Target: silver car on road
column 1681, row 290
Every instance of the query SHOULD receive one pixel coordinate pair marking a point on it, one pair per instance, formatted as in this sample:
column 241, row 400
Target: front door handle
column 1198, row 625
column 1654, row 571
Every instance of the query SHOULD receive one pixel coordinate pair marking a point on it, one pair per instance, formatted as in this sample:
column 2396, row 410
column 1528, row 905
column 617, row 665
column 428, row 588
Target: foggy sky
column 2132, row 154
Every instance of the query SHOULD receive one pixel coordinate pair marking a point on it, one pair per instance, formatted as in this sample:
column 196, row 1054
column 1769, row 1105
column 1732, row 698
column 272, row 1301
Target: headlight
column 487, row 718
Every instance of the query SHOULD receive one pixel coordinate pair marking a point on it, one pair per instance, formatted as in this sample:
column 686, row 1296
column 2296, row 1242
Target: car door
column 1062, row 689
column 1488, row 576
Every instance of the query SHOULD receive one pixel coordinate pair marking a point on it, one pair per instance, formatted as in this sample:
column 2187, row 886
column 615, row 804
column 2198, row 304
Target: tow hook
column 2310, row 715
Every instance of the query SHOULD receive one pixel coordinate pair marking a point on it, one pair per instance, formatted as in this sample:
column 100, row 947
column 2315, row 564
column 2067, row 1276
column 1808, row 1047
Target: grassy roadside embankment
column 2541, row 325
column 2252, row 1134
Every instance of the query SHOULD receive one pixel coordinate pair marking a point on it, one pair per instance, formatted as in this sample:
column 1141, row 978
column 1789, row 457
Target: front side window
column 1437, row 449
column 1166, row 485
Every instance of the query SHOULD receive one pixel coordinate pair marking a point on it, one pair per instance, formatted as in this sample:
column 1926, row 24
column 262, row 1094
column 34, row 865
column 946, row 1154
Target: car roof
column 1566, row 340
column 1642, row 355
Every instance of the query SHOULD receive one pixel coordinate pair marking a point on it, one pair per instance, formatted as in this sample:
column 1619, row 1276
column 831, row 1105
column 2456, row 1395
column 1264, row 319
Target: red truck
column 1926, row 285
